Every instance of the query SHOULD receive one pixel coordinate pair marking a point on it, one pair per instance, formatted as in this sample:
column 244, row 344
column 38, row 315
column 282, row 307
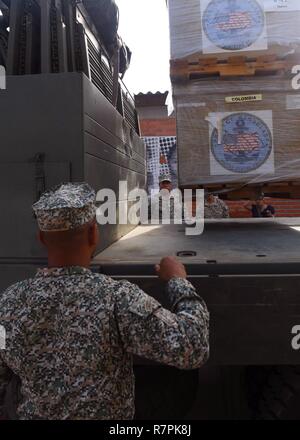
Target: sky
column 144, row 27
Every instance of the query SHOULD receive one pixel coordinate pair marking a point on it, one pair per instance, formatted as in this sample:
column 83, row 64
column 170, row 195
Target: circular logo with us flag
column 233, row 24
column 246, row 143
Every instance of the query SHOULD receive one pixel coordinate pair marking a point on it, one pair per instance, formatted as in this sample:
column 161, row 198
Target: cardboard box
column 225, row 28
column 244, row 131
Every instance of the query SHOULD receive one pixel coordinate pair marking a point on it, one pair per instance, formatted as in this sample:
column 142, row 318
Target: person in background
column 165, row 182
column 214, row 207
column 260, row 208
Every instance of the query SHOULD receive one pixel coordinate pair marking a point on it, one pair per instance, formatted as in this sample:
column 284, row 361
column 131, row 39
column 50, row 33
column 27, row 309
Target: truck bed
column 239, row 245
column 247, row 271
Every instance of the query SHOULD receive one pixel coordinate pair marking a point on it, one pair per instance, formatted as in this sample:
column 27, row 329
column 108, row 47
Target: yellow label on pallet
column 243, row 98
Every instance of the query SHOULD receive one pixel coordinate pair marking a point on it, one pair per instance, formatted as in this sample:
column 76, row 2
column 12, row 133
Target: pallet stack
column 238, row 114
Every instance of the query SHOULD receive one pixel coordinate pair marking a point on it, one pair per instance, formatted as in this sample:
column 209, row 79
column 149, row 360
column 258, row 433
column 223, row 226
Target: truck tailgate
column 247, row 271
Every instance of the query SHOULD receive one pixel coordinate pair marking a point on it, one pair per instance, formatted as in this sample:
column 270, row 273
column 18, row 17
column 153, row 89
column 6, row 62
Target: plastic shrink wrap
column 237, row 109
column 225, row 28
column 239, row 130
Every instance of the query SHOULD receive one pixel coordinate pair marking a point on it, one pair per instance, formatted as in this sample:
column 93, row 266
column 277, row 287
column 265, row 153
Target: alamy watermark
column 2, row 338
column 137, row 207
column 296, row 337
column 2, row 78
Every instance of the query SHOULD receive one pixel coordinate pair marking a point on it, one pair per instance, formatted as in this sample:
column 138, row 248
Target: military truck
column 66, row 116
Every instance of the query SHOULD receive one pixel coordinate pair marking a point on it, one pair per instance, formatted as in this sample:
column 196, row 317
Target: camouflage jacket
column 71, row 334
column 218, row 209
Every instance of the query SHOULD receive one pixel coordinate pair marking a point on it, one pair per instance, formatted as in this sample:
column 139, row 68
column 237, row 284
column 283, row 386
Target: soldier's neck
column 80, row 259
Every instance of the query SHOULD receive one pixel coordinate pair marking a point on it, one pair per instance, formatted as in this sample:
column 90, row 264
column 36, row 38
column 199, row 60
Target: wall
column 158, row 127
column 283, row 207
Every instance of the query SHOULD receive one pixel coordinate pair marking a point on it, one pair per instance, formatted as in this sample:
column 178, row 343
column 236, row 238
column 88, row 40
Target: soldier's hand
column 169, row 268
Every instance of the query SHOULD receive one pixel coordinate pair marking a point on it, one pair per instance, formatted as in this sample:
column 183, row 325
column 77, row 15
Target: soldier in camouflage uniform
column 164, row 201
column 214, row 207
column 165, row 182
column 71, row 333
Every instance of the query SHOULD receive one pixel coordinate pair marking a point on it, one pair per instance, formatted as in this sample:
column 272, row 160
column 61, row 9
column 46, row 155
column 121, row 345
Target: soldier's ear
column 93, row 234
column 41, row 237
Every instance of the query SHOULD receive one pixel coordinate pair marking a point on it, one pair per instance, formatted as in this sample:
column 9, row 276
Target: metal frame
column 67, row 41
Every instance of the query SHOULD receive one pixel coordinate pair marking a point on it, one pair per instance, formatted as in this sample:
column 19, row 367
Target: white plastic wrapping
column 242, row 130
column 224, row 28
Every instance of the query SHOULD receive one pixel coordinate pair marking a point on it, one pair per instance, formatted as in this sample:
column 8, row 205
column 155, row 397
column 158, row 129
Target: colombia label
column 246, row 143
column 233, row 24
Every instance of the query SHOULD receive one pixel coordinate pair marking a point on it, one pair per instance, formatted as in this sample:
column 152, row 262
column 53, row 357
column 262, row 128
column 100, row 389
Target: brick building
column 159, row 133
column 153, row 113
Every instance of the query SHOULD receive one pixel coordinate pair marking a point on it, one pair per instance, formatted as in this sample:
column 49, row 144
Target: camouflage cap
column 164, row 178
column 67, row 206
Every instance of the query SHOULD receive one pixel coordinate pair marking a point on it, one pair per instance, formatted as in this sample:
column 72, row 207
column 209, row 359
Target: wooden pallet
column 238, row 191
column 187, row 69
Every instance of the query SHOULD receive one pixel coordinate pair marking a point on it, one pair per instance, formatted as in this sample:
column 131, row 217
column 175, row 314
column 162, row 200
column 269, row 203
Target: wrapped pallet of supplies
column 226, row 28
column 237, row 131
